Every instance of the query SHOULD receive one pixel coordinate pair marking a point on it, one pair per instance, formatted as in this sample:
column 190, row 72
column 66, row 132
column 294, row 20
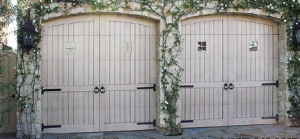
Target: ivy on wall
column 170, row 12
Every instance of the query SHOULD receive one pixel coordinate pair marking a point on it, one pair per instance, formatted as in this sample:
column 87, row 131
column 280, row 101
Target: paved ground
column 232, row 132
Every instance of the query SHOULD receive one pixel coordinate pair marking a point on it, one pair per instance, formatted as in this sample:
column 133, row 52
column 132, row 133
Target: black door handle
column 96, row 90
column 102, row 89
column 225, row 86
column 231, row 86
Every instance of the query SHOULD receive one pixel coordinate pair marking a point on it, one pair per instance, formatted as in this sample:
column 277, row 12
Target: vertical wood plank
column 188, row 104
column 206, row 103
column 111, row 109
column 183, row 103
column 202, row 103
column 50, row 75
column 71, row 75
column 132, row 71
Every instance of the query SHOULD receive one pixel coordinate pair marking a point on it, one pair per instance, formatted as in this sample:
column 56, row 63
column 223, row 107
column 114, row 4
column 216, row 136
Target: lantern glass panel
column 25, row 37
column 31, row 37
column 297, row 33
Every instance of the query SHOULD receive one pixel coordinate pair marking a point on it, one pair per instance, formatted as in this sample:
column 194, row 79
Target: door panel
column 251, row 100
column 73, row 109
column 132, row 64
column 203, row 69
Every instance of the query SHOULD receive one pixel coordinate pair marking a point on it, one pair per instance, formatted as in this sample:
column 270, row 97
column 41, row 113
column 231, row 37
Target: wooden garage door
column 248, row 70
column 204, row 70
column 228, row 60
column 83, row 52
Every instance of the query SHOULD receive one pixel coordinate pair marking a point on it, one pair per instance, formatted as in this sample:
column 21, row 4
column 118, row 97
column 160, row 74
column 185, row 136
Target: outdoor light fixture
column 296, row 39
column 28, row 34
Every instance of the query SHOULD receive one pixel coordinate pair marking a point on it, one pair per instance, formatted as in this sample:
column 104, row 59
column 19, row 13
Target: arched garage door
column 228, row 76
column 80, row 53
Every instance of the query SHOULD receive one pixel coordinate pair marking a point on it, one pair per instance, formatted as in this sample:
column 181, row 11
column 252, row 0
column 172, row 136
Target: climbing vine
column 170, row 12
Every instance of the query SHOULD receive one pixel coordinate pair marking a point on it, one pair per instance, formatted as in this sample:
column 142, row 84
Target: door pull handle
column 225, row 86
column 231, row 86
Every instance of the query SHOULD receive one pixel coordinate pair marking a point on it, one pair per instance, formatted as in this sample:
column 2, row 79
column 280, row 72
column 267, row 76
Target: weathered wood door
column 228, row 63
column 130, row 62
column 205, row 103
column 250, row 69
column 83, row 52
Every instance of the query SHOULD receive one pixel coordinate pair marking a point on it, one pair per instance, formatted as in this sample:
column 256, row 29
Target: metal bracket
column 271, row 117
column 187, row 121
column 145, row 123
column 186, row 86
column 50, row 126
column 276, row 84
column 50, row 90
column 153, row 87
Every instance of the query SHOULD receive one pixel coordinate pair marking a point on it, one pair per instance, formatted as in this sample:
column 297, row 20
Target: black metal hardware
column 96, row 90
column 225, row 86
column 50, row 126
column 271, row 117
column 276, row 84
column 13, row 96
column 186, row 86
column 145, row 123
column 50, row 90
column 187, row 121
column 153, row 87
column 231, row 86
column 102, row 89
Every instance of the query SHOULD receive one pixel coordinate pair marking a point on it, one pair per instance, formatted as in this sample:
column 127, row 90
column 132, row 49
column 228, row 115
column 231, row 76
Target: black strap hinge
column 271, row 117
column 153, row 87
column 276, row 84
column 186, row 86
column 50, row 90
column 187, row 121
column 145, row 123
column 50, row 126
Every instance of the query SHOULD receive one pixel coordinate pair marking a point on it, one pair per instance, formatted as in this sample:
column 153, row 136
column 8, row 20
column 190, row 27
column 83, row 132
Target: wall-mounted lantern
column 28, row 34
column 296, row 34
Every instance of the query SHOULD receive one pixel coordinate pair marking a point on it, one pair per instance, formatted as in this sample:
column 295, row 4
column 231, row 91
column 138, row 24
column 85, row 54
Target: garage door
column 228, row 60
column 115, row 53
